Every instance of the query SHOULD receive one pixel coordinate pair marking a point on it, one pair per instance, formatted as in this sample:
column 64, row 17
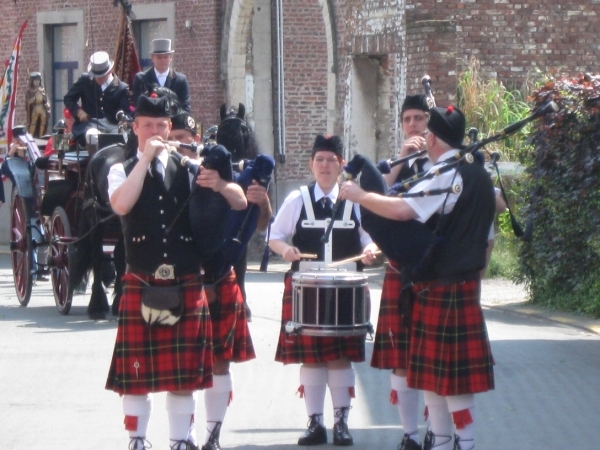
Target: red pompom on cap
column 153, row 95
column 449, row 109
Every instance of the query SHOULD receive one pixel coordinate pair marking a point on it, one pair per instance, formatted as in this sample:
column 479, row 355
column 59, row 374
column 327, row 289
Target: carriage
column 48, row 199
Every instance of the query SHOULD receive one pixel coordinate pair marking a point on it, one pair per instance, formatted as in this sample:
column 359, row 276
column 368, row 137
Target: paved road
column 53, row 369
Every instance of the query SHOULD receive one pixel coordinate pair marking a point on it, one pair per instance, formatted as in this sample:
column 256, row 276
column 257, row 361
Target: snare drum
column 333, row 303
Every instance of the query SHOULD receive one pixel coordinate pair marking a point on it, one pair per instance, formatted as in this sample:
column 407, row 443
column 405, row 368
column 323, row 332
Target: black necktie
column 327, row 206
column 156, row 172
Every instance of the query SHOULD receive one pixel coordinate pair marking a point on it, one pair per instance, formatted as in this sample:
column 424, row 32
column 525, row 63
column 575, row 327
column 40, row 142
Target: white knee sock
column 341, row 382
column 216, row 401
column 440, row 420
column 180, row 409
column 314, row 383
column 461, row 407
column 137, row 410
column 408, row 406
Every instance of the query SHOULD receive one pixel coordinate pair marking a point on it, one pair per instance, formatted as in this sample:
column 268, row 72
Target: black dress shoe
column 409, row 444
column 316, row 433
column 213, row 440
column 430, row 440
column 341, row 435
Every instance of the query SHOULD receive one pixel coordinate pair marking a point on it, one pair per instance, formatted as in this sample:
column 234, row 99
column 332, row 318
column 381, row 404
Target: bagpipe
column 409, row 242
column 243, row 223
column 209, row 212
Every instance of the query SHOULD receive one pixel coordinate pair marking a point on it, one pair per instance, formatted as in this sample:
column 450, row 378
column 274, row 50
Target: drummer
column 325, row 361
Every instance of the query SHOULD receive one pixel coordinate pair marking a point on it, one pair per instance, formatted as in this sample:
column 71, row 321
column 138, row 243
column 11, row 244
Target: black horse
column 235, row 135
column 98, row 226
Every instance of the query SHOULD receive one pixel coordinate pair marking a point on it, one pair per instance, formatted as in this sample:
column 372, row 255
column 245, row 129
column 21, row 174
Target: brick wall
column 410, row 37
column 197, row 50
column 305, row 58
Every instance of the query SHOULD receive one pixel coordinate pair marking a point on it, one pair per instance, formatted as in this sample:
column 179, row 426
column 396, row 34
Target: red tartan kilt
column 298, row 348
column 162, row 358
column 459, row 360
column 392, row 337
column 231, row 335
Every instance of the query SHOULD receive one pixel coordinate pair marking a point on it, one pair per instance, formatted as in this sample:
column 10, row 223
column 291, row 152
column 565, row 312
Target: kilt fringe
column 392, row 337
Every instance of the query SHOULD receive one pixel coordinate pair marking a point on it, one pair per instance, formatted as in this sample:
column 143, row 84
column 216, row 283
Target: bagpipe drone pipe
column 209, row 212
column 410, row 242
column 243, row 223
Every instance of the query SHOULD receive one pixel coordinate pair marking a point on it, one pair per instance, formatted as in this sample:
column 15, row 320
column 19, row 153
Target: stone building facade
column 304, row 67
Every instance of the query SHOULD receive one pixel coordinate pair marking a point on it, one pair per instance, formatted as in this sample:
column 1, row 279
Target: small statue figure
column 38, row 108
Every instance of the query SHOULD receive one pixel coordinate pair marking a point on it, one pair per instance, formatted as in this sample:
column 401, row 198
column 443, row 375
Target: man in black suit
column 161, row 74
column 96, row 97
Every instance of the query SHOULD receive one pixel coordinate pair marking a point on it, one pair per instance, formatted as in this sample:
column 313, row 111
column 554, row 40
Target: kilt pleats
column 231, row 335
column 161, row 358
column 450, row 351
column 392, row 337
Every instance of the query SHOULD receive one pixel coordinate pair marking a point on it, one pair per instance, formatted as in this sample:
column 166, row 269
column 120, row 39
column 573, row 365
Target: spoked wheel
column 59, row 261
column 21, row 249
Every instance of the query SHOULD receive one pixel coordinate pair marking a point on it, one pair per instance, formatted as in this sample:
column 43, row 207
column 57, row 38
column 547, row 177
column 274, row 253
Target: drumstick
column 307, row 255
column 349, row 260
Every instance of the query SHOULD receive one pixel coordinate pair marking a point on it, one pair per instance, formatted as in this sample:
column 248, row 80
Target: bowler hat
column 184, row 121
column 158, row 46
column 153, row 106
column 448, row 124
column 100, row 64
column 329, row 144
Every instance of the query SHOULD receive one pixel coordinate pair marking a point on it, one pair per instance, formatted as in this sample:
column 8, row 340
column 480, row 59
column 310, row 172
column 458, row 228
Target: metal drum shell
column 313, row 315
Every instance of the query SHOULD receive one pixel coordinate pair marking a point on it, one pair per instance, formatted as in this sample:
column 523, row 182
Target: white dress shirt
column 284, row 226
column 161, row 77
column 116, row 175
column 425, row 207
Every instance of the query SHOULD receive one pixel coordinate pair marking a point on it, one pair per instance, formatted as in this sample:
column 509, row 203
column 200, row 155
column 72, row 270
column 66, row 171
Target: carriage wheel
column 59, row 270
column 21, row 249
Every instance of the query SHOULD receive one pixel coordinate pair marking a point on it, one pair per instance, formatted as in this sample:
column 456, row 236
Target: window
column 145, row 31
column 64, row 65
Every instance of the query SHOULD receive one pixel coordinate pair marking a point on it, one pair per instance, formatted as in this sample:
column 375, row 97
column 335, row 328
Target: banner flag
column 127, row 63
column 8, row 94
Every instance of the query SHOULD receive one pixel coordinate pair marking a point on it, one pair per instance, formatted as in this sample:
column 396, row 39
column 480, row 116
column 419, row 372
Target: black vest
column 464, row 232
column 153, row 235
column 346, row 242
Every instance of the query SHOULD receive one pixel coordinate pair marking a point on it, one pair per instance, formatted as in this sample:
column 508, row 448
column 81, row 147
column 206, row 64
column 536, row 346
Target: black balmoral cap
column 448, row 124
column 328, row 143
column 153, row 106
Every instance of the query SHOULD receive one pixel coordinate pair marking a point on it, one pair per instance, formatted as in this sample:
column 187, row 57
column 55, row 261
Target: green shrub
column 560, row 263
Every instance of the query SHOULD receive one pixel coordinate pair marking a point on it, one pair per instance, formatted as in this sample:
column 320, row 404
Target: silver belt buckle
column 165, row 272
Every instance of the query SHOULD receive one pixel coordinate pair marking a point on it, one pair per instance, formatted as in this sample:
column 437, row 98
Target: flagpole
column 8, row 93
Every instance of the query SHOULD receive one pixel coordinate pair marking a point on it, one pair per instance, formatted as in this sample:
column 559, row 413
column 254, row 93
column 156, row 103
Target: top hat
column 418, row 101
column 184, row 121
column 448, row 124
column 160, row 46
column 328, row 144
column 100, row 64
